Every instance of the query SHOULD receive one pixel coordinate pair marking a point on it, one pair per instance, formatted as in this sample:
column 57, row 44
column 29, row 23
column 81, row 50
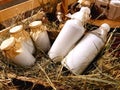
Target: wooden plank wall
column 9, row 3
column 18, row 9
column 4, row 1
column 23, row 7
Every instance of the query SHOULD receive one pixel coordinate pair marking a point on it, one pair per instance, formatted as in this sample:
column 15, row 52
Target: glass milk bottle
column 86, row 50
column 71, row 32
column 39, row 35
column 23, row 36
column 16, row 52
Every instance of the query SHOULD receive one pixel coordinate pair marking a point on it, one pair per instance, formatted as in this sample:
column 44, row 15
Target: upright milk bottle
column 16, row 52
column 22, row 36
column 39, row 35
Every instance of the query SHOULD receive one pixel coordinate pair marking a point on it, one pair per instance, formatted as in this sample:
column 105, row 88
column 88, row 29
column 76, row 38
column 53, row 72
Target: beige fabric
column 21, row 35
column 11, row 52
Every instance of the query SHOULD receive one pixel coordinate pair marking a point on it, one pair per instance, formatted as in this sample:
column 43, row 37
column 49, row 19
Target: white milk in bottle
column 86, row 50
column 70, row 33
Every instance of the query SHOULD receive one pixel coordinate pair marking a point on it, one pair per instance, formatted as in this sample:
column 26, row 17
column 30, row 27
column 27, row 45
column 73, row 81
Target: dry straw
column 104, row 74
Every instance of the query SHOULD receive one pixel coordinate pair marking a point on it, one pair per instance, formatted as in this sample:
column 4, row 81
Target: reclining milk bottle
column 16, row 52
column 39, row 35
column 86, row 50
column 22, row 36
column 70, row 33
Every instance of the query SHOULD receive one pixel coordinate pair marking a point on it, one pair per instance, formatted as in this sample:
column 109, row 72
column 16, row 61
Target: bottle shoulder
column 98, row 33
column 74, row 22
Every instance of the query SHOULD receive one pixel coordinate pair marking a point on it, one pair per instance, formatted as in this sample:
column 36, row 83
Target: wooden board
column 4, row 1
column 113, row 24
column 9, row 3
column 18, row 9
column 23, row 7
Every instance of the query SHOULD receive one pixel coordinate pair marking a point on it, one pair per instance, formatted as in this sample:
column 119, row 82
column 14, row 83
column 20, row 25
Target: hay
column 103, row 74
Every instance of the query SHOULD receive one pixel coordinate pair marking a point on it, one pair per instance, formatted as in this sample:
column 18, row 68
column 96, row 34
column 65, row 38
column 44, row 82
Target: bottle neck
column 101, row 32
column 83, row 18
column 80, row 21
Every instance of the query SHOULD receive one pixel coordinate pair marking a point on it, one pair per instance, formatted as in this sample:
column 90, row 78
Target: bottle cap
column 85, row 10
column 106, row 27
column 16, row 29
column 8, row 43
column 83, row 14
column 35, row 24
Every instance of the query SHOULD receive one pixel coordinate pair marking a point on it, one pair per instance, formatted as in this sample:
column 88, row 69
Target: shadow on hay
column 25, row 85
